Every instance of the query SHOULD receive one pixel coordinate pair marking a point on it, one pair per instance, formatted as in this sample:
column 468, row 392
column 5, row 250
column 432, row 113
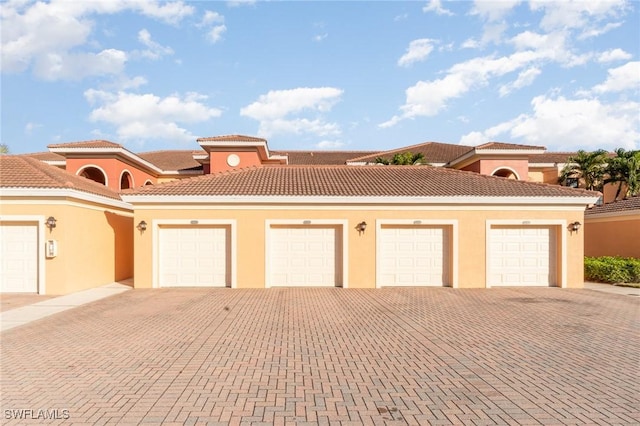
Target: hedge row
column 613, row 270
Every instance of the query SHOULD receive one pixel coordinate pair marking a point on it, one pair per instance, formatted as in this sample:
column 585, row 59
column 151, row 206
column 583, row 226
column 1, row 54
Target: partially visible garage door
column 194, row 256
column 413, row 255
column 522, row 256
column 18, row 258
column 305, row 256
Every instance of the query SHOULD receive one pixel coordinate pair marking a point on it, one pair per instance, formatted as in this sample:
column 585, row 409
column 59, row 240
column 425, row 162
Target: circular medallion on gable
column 233, row 160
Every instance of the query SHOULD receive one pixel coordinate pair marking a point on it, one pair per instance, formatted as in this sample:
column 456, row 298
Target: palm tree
column 586, row 167
column 4, row 148
column 624, row 169
column 403, row 159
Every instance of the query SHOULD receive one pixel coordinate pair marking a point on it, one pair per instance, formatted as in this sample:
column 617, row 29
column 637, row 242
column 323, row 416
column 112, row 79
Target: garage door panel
column 194, row 256
column 18, row 258
column 413, row 255
column 304, row 256
column 522, row 256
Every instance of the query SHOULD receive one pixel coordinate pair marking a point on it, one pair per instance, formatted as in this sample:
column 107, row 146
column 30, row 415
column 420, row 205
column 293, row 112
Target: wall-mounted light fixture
column 142, row 226
column 361, row 227
column 51, row 222
column 575, row 226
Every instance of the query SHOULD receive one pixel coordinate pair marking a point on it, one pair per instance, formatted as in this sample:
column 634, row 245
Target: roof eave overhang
column 470, row 156
column 63, row 193
column 457, row 200
column 145, row 165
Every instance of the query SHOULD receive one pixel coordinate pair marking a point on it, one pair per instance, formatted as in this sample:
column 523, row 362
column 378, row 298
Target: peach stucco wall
column 94, row 242
column 218, row 160
column 544, row 175
column 251, row 229
column 113, row 169
column 612, row 236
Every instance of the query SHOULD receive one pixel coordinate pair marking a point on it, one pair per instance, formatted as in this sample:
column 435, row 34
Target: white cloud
column 171, row 12
column 320, row 37
column 626, row 77
column 493, row 10
column 238, row 3
column 428, row 98
column 570, row 124
column 124, row 83
column 598, row 31
column 30, row 127
column 525, row 78
column 141, row 117
column 211, row 17
column 470, row 43
column 614, row 55
column 436, row 6
column 53, row 37
column 417, row 51
column 563, row 14
column 274, row 111
column 215, row 34
column 154, row 50
column 68, row 66
column 214, row 23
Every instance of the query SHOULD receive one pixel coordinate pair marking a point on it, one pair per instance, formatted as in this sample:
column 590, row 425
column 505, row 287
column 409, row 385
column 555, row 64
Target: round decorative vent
column 233, row 160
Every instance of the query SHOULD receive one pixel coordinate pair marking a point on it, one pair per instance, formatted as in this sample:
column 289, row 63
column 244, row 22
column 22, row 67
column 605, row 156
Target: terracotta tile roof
column 504, row 145
column 46, row 156
column 231, row 138
column 321, row 157
column 172, row 159
column 86, row 144
column 351, row 181
column 20, row 171
column 434, row 152
column 631, row 203
column 550, row 157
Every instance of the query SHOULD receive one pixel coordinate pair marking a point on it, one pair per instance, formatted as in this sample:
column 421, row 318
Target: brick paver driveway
column 394, row 356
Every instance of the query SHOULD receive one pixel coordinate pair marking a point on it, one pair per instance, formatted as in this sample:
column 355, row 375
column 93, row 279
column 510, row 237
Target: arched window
column 148, row 182
column 94, row 173
column 506, row 173
column 126, row 180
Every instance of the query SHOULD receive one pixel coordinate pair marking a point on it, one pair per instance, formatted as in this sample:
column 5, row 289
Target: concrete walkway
column 615, row 289
column 26, row 314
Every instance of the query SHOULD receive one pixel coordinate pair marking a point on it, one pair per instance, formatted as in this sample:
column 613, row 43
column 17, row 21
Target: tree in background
column 4, row 148
column 587, row 167
column 403, row 159
column 624, row 169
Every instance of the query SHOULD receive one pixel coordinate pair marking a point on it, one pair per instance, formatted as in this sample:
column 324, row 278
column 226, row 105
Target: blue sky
column 352, row 75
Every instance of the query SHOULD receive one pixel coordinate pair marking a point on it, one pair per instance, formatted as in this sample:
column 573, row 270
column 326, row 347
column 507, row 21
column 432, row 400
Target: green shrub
column 610, row 269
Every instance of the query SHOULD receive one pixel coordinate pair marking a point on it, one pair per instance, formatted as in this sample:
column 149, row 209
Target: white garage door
column 194, row 256
column 413, row 256
column 522, row 256
column 305, row 256
column 18, row 258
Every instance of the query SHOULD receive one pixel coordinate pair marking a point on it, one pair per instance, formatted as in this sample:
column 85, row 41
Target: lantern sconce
column 142, row 226
column 51, row 223
column 575, row 226
column 361, row 227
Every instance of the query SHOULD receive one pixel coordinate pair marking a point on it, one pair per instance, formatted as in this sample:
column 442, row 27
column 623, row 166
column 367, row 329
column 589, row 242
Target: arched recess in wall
column 94, row 173
column 148, row 182
column 126, row 180
column 505, row 172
